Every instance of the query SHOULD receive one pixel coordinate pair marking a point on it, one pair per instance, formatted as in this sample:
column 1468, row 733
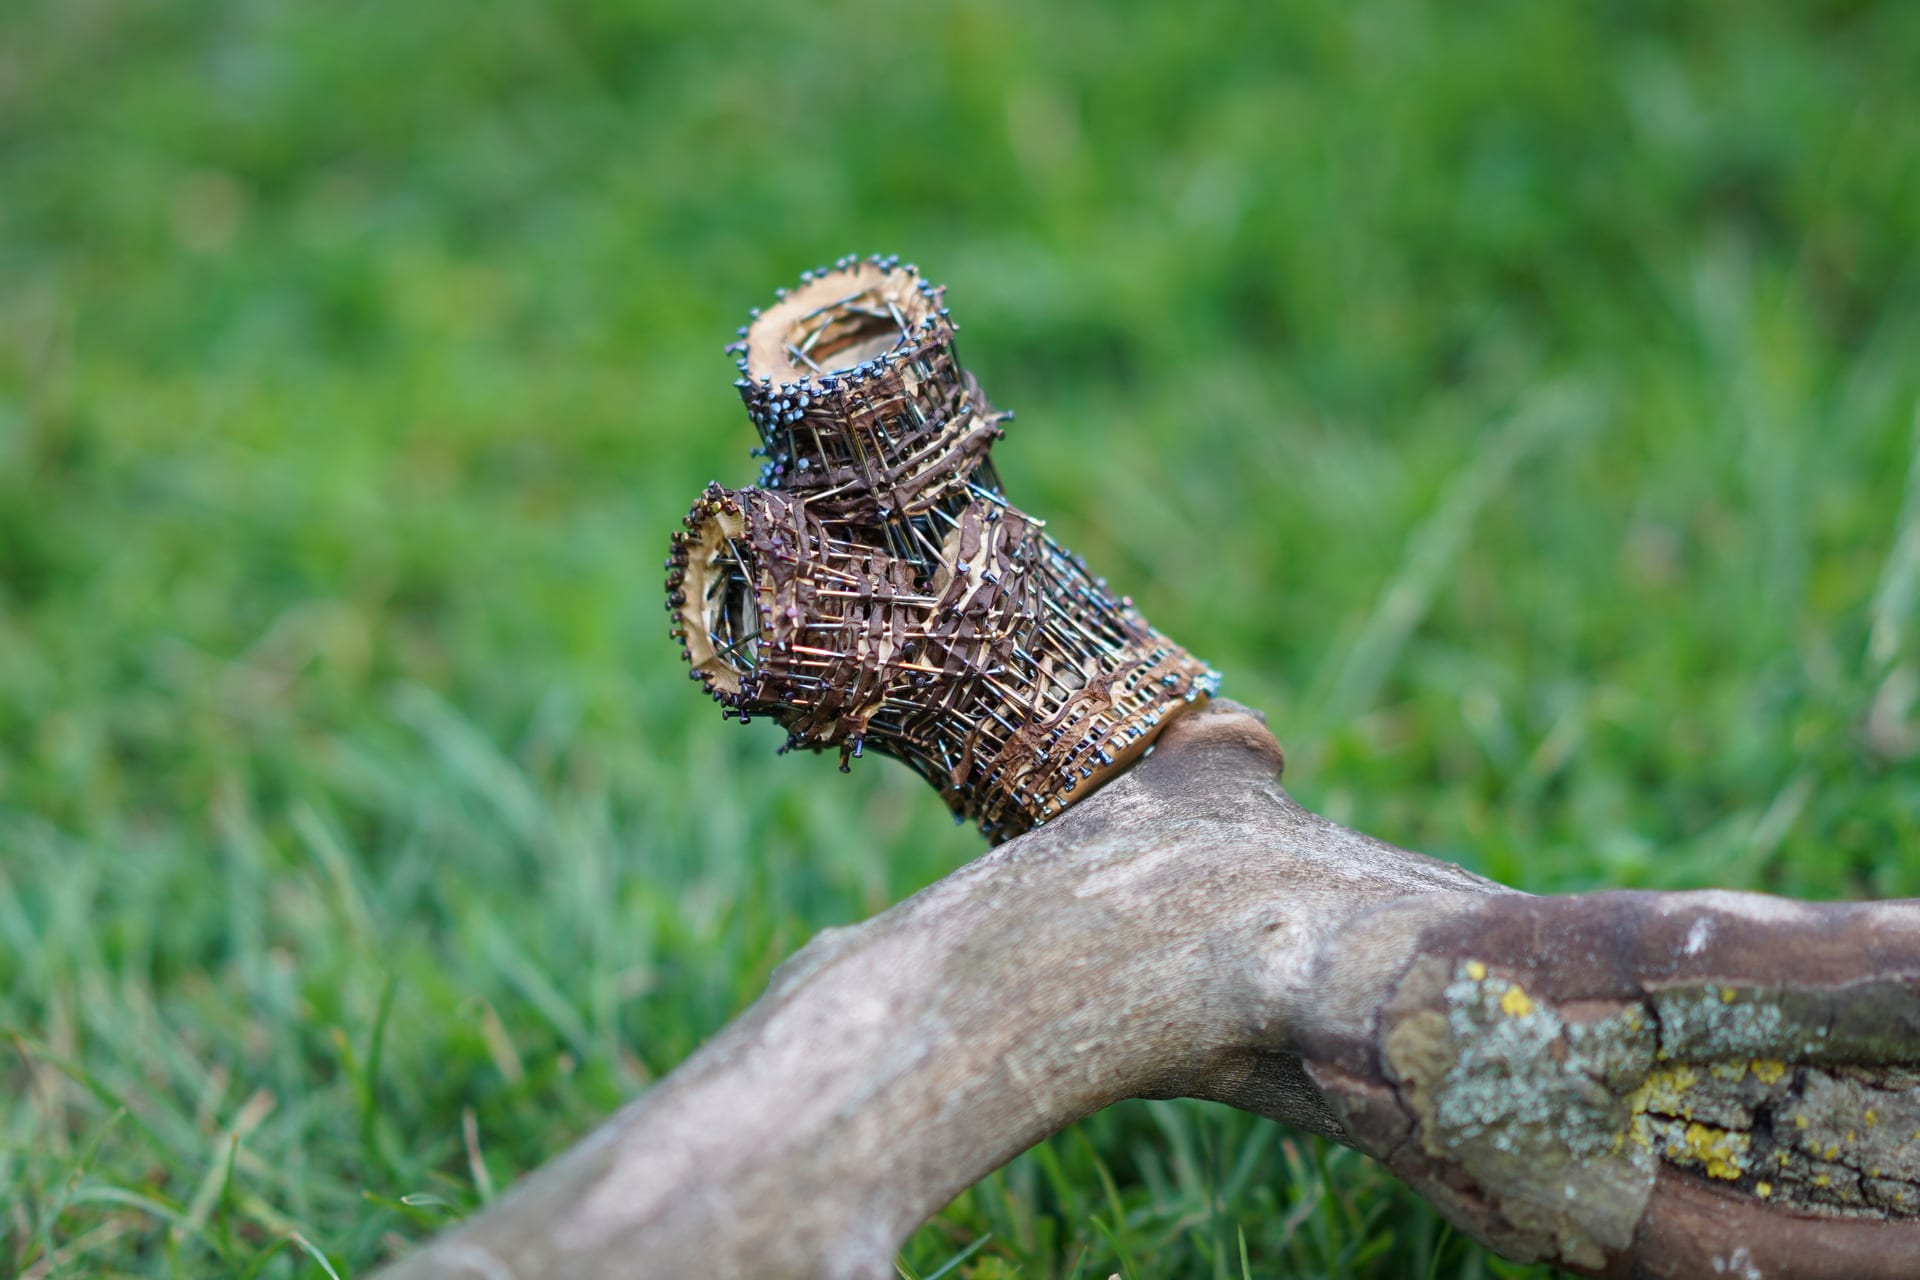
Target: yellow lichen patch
column 1800, row 1122
column 1727, row 1070
column 1873, row 1117
column 1721, row 1151
column 1767, row 1071
column 1821, row 1180
column 1680, row 1078
column 1727, row 995
column 1476, row 971
column 1662, row 1096
column 1516, row 1003
column 1664, row 1091
column 1636, row 1120
column 1832, row 1151
column 1763, row 1189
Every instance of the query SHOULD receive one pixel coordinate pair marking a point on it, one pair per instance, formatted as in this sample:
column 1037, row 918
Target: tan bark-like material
column 1627, row 1084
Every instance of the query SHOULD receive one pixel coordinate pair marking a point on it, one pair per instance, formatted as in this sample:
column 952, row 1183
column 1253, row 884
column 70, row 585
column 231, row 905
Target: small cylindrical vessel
column 881, row 592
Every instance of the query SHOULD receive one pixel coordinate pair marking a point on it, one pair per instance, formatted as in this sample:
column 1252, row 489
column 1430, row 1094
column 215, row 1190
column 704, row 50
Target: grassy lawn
column 1515, row 399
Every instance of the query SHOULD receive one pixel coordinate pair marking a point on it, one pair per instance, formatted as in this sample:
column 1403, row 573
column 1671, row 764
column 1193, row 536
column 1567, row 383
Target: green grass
column 1514, row 399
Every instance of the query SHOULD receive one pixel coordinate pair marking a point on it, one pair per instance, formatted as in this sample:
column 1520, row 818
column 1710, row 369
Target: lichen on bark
column 1561, row 1113
column 1532, row 1104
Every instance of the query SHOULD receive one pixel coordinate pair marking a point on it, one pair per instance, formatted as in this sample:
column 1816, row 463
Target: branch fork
column 1623, row 1084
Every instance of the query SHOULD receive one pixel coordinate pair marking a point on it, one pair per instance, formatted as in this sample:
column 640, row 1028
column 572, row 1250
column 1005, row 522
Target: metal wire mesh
column 879, row 592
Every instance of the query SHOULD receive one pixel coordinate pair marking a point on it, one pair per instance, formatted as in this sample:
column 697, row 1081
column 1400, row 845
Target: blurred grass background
column 1516, row 400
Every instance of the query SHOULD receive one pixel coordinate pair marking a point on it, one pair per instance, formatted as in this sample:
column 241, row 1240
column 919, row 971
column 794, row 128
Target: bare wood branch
column 1646, row 1084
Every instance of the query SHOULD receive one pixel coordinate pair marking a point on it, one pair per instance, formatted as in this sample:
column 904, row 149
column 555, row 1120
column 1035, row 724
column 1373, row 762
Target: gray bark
column 1640, row 1084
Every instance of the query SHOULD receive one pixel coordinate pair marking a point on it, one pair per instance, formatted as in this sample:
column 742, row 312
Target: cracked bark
column 1626, row 1084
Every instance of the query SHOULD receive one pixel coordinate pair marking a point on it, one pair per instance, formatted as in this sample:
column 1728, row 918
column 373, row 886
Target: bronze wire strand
column 878, row 589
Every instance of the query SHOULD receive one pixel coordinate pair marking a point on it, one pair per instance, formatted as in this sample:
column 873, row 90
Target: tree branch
column 1651, row 1084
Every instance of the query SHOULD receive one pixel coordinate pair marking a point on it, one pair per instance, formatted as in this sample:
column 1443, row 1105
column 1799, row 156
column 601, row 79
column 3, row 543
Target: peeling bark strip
column 1628, row 1084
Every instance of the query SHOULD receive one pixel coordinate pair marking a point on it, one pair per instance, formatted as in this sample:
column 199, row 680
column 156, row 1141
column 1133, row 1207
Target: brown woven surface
column 860, row 399
column 880, row 592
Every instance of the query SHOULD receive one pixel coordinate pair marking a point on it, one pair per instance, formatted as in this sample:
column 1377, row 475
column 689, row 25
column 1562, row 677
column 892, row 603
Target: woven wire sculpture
column 879, row 591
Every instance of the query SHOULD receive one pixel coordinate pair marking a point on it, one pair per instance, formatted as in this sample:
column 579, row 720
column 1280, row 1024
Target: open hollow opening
column 852, row 333
column 722, row 610
column 835, row 322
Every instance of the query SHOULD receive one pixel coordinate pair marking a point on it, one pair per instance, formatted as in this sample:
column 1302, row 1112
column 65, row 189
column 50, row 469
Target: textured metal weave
column 879, row 592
